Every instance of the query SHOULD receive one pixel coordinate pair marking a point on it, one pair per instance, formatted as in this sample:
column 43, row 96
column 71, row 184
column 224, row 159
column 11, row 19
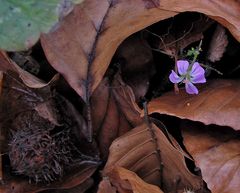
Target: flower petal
column 182, row 66
column 197, row 74
column 174, row 78
column 190, row 88
column 198, row 79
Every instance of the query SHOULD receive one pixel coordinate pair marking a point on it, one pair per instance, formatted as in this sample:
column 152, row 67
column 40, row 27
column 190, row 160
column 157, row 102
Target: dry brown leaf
column 218, row 44
column 2, row 138
column 106, row 186
column 6, row 64
column 82, row 188
column 81, row 176
column 217, row 103
column 143, row 152
column 114, row 112
column 1, row 82
column 216, row 152
column 126, row 181
column 83, row 45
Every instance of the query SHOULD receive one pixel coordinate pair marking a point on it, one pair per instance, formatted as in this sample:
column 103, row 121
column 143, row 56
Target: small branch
column 211, row 68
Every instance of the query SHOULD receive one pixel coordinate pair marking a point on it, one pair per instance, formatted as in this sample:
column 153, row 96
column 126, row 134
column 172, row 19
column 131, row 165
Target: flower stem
column 195, row 55
column 176, row 89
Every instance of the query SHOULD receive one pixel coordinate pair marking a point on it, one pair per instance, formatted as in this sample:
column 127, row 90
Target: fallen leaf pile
column 101, row 123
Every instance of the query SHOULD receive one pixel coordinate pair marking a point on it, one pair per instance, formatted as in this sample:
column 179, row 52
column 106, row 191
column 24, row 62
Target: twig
column 211, row 68
column 180, row 38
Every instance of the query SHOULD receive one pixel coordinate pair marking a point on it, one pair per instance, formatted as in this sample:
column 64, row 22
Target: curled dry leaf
column 147, row 152
column 217, row 103
column 218, row 44
column 28, row 79
column 82, row 46
column 125, row 181
column 114, row 112
column 216, row 152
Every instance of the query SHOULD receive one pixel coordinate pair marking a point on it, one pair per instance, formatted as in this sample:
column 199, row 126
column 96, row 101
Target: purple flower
column 188, row 75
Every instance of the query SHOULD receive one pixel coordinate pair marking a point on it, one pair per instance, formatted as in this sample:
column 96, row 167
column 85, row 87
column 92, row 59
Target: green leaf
column 22, row 22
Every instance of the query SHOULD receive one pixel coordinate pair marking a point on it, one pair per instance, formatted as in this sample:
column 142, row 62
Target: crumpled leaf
column 125, row 181
column 28, row 79
column 83, row 45
column 114, row 112
column 21, row 22
column 216, row 152
column 218, row 44
column 143, row 150
column 217, row 103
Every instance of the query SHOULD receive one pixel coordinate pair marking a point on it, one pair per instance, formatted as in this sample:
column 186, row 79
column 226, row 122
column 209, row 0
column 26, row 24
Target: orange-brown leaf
column 138, row 151
column 217, row 103
column 114, row 112
column 82, row 46
column 216, row 152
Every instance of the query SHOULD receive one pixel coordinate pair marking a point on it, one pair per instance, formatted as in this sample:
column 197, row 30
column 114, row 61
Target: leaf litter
column 102, row 138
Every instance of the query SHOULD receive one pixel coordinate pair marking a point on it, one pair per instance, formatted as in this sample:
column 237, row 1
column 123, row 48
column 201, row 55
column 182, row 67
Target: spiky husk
column 39, row 154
